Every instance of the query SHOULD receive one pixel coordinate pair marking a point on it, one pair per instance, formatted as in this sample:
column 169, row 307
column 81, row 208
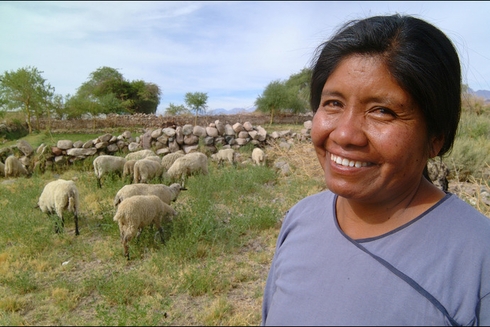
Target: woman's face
column 369, row 135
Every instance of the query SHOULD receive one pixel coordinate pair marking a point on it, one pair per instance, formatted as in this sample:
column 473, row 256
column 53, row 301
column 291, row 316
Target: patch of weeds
column 204, row 278
column 23, row 282
column 124, row 288
column 219, row 310
column 133, row 315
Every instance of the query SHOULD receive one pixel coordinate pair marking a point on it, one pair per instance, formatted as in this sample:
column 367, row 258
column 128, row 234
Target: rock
column 25, row 147
column 64, row 144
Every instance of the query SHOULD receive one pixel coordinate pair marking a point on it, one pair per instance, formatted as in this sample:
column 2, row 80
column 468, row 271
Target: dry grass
column 77, row 292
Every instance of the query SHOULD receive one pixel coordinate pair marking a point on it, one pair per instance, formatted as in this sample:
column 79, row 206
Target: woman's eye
column 332, row 103
column 384, row 112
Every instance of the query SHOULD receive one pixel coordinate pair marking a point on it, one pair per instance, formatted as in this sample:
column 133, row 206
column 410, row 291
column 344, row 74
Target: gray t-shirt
column 435, row 270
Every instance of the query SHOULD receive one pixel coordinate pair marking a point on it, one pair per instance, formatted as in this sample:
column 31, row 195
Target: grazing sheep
column 229, row 155
column 14, row 168
column 128, row 169
column 139, row 211
column 106, row 164
column 59, row 196
column 146, row 170
column 170, row 158
column 191, row 163
column 154, row 158
column 258, row 157
column 166, row 193
column 141, row 154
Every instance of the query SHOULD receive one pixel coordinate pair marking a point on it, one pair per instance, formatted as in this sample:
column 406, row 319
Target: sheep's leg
column 126, row 249
column 125, row 240
column 77, row 232
column 139, row 233
column 57, row 227
column 160, row 230
column 99, row 185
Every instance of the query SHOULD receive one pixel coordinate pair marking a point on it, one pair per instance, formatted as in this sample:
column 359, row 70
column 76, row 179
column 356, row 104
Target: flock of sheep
column 138, row 204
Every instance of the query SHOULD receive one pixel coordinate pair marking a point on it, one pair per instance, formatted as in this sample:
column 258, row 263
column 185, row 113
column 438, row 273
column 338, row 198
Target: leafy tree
column 470, row 102
column 26, row 90
column 176, row 110
column 300, row 84
column 107, row 91
column 146, row 97
column 277, row 98
column 196, row 101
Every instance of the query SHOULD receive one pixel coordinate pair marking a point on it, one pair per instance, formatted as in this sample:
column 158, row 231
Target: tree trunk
column 28, row 116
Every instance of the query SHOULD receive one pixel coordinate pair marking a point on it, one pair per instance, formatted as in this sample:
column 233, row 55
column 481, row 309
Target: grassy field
column 211, row 270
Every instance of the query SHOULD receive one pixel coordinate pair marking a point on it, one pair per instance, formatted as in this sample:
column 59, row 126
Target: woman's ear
column 436, row 143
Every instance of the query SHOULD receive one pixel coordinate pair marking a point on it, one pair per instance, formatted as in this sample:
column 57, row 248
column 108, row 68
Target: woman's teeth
column 346, row 162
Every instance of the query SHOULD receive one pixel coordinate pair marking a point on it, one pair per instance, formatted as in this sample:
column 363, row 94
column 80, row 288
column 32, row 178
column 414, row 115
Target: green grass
column 50, row 278
column 211, row 269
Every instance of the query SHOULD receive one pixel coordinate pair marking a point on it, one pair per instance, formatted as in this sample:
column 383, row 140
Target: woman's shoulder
column 315, row 201
column 311, row 206
column 460, row 216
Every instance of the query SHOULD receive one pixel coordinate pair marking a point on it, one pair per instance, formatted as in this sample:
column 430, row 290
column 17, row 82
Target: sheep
column 154, row 158
column 166, row 193
column 128, row 169
column 170, row 158
column 106, row 164
column 139, row 211
column 141, row 154
column 226, row 154
column 59, row 196
column 189, row 164
column 146, row 170
column 258, row 157
column 14, row 168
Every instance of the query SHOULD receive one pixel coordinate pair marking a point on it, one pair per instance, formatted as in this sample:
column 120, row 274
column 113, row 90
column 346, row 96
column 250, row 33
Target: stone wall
column 162, row 141
column 153, row 121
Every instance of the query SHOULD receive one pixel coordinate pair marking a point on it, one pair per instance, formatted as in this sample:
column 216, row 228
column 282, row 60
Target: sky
column 229, row 50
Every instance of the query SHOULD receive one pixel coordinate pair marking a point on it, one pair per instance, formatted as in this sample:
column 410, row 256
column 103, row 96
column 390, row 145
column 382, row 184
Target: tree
column 300, row 84
column 26, row 90
column 176, row 110
column 107, row 91
column 472, row 103
column 196, row 102
column 276, row 98
column 146, row 97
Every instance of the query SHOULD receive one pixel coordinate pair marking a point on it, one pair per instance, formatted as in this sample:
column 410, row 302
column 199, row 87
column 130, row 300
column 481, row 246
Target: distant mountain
column 481, row 93
column 234, row 111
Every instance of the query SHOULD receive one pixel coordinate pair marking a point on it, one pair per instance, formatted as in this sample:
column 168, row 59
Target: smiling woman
column 383, row 245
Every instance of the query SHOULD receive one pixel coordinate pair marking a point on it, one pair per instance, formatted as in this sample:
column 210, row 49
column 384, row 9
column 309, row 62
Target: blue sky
column 229, row 50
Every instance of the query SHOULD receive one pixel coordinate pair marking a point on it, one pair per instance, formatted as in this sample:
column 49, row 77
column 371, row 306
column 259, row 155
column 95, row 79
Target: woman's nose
column 349, row 130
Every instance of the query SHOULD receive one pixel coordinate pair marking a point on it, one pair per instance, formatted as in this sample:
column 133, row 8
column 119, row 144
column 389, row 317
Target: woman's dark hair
column 419, row 56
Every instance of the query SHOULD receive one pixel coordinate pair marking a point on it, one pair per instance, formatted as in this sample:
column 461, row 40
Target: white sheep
column 170, row 158
column 222, row 155
column 140, row 154
column 107, row 164
column 139, row 211
column 166, row 193
column 147, row 169
column 154, row 158
column 128, row 169
column 59, row 196
column 14, row 168
column 191, row 163
column 258, row 157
